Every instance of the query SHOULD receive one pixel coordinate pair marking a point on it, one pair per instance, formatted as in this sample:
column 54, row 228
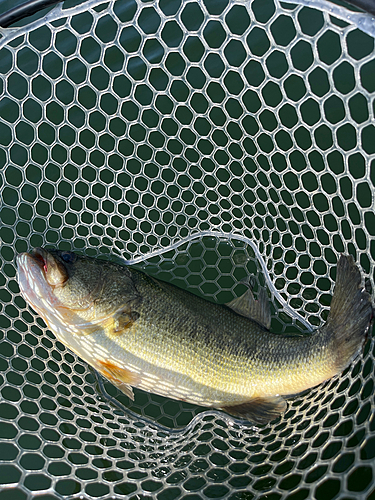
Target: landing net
column 205, row 142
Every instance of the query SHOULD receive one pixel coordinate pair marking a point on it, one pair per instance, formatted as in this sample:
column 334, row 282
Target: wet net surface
column 239, row 132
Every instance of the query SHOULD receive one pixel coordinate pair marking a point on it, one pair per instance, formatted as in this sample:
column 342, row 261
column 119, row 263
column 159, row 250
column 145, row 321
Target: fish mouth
column 40, row 257
column 54, row 271
column 32, row 279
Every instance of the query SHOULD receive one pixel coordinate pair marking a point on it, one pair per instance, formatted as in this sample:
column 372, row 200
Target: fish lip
column 39, row 256
column 48, row 264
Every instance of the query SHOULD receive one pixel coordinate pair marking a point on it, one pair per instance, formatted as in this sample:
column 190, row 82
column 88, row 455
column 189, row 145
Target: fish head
column 61, row 286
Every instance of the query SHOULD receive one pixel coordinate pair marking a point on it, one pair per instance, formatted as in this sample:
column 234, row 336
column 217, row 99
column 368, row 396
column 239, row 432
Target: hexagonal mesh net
column 204, row 141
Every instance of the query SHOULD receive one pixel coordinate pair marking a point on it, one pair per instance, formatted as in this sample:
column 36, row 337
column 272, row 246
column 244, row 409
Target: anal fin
column 258, row 410
column 257, row 310
column 122, row 378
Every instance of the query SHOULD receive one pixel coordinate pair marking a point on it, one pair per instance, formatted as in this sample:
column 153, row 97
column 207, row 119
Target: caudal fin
column 351, row 312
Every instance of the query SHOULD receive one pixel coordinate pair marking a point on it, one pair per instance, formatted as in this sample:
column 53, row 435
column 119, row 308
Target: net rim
column 365, row 21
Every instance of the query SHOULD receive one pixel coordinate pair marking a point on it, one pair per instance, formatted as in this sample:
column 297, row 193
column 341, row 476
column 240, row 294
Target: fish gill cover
column 206, row 142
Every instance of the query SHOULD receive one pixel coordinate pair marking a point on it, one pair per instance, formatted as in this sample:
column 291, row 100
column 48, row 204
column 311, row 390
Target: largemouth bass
column 141, row 332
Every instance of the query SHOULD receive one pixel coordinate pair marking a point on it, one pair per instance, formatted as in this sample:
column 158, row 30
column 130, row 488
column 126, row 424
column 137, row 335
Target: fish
column 140, row 332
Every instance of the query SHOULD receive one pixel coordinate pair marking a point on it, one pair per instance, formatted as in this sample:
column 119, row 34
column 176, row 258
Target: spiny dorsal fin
column 257, row 310
column 259, row 410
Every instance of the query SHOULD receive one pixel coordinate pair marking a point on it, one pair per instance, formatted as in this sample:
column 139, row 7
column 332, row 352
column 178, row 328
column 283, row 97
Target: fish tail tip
column 351, row 311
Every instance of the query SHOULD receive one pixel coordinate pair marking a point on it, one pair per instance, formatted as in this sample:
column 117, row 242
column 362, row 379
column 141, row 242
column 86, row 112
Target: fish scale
column 233, row 343
column 140, row 332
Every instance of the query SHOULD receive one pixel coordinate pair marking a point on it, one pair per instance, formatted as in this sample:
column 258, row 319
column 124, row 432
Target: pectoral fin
column 258, row 410
column 122, row 378
column 124, row 319
column 257, row 310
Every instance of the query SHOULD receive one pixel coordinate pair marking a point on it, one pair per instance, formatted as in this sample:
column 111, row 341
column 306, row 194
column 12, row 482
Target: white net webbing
column 204, row 141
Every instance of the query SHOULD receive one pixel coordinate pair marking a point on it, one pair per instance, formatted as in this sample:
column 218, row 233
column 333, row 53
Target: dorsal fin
column 257, row 310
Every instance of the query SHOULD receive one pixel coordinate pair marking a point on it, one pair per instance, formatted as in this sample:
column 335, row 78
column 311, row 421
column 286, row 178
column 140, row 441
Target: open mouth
column 54, row 271
column 40, row 257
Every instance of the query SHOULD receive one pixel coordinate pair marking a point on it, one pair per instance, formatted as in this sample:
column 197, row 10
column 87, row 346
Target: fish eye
column 67, row 256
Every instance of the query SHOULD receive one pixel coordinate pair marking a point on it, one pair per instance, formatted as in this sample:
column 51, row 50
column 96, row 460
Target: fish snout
column 54, row 271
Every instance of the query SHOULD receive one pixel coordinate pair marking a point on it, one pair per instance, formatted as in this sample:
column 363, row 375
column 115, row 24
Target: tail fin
column 351, row 312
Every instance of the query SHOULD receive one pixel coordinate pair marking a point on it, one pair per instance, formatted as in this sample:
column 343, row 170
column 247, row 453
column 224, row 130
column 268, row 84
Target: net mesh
column 205, row 142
